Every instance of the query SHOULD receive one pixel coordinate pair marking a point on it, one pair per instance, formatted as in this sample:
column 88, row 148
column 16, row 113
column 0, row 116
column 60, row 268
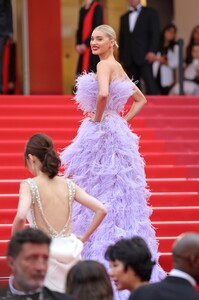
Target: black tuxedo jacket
column 5, row 294
column 133, row 46
column 171, row 288
column 5, row 17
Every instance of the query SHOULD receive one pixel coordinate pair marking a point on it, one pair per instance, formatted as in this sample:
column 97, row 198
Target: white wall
column 186, row 16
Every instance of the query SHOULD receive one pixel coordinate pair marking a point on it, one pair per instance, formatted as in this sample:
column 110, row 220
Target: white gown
column 65, row 249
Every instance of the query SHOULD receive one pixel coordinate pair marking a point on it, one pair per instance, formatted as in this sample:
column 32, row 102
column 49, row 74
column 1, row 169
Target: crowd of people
column 149, row 56
column 131, row 262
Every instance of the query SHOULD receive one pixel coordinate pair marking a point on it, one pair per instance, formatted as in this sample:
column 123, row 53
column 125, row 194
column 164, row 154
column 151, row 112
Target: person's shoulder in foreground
column 182, row 279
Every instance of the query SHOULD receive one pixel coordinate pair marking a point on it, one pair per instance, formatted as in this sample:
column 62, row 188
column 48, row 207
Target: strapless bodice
column 87, row 91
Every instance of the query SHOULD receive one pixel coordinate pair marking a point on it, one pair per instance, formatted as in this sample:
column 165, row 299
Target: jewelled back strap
column 36, row 199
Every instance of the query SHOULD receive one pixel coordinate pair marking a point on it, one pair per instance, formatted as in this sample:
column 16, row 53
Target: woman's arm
column 96, row 206
column 23, row 207
column 103, row 77
column 139, row 102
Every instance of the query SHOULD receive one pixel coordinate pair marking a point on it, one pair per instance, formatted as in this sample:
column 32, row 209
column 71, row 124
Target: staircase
column 169, row 141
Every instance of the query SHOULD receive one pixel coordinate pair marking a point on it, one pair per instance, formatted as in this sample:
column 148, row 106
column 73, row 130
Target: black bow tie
column 133, row 10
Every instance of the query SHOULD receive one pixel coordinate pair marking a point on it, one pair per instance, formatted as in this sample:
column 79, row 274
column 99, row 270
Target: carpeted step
column 156, row 185
column 165, row 261
column 3, row 281
column 3, row 247
column 24, row 133
column 39, row 123
column 61, row 140
column 174, row 199
column 7, row 216
column 16, row 159
column 173, row 185
column 170, row 122
column 172, row 111
column 166, row 243
column 172, row 158
column 10, row 201
column 184, row 213
column 174, row 171
column 162, row 228
column 152, row 171
column 175, row 228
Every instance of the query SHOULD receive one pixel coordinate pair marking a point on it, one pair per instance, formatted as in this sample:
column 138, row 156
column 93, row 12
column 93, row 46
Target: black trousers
column 2, row 46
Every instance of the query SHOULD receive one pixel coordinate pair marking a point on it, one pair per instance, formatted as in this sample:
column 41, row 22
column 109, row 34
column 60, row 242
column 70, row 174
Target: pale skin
column 54, row 198
column 109, row 69
column 124, row 279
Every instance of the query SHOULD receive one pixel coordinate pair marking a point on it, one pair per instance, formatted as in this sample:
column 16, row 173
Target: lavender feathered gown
column 104, row 160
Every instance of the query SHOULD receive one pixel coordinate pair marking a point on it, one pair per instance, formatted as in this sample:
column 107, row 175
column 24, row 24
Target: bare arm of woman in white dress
column 23, row 208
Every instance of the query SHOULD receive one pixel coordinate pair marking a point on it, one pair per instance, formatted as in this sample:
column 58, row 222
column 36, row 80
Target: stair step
column 165, row 262
column 184, row 213
column 56, row 133
column 60, row 139
column 175, row 228
column 3, row 281
column 166, row 243
column 40, row 123
column 155, row 185
column 159, row 158
column 7, row 215
column 166, row 171
column 174, row 185
column 170, row 121
column 3, row 247
column 10, row 201
column 172, row 111
column 152, row 171
column 174, row 199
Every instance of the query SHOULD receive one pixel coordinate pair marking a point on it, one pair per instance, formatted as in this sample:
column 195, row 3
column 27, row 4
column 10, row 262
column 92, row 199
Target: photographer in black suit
column 138, row 43
column 181, row 282
column 6, row 32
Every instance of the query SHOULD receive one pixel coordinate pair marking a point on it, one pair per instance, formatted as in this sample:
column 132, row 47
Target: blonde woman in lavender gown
column 104, row 159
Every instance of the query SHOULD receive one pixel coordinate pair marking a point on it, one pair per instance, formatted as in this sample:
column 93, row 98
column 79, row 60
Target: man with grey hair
column 182, row 279
column 27, row 257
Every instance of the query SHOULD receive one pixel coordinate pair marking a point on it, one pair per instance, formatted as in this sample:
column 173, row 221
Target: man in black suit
column 138, row 43
column 27, row 257
column 6, row 31
column 181, row 282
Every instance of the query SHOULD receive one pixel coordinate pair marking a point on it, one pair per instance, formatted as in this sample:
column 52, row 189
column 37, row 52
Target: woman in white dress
column 167, row 59
column 46, row 202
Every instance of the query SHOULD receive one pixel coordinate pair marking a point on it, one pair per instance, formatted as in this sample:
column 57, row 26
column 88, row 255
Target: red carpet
column 169, row 141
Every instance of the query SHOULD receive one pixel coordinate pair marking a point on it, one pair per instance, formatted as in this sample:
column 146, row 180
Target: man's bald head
column 186, row 254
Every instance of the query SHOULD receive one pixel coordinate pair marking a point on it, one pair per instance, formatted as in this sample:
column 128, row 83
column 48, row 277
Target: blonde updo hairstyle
column 109, row 31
